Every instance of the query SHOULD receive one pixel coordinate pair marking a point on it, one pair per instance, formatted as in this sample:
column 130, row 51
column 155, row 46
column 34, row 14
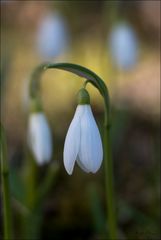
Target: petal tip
column 69, row 171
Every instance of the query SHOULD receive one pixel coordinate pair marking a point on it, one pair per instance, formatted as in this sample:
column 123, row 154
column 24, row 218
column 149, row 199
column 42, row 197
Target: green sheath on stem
column 5, row 187
column 83, row 97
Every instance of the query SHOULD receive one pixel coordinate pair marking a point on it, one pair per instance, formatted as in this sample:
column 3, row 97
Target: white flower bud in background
column 52, row 36
column 123, row 46
column 39, row 137
column 83, row 141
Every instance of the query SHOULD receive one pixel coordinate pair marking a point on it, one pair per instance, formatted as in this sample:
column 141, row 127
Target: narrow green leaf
column 17, row 186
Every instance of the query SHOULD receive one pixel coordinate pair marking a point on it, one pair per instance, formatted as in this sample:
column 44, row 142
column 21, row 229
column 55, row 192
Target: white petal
column 91, row 152
column 72, row 141
column 39, row 137
column 80, row 164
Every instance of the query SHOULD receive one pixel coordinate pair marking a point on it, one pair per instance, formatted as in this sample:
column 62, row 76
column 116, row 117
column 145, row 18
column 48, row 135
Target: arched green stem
column 97, row 82
column 5, row 186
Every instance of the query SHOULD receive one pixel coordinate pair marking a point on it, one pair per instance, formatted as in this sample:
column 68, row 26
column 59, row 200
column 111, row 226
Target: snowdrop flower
column 123, row 46
column 52, row 36
column 83, row 141
column 39, row 137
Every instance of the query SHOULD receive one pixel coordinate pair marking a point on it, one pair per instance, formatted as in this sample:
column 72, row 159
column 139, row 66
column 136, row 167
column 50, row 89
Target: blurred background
column 120, row 41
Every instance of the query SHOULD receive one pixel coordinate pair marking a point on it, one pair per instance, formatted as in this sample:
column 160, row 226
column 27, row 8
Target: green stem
column 30, row 228
column 5, row 187
column 108, row 163
column 109, row 184
column 31, row 179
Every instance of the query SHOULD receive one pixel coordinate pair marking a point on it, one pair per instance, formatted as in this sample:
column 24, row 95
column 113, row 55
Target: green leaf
column 17, row 186
column 47, row 182
column 96, row 209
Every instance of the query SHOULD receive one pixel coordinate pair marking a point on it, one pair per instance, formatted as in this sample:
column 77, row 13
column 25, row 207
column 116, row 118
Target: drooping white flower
column 52, row 36
column 83, row 141
column 39, row 137
column 123, row 46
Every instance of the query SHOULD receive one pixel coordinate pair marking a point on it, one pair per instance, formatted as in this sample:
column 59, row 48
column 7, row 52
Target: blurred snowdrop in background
column 39, row 138
column 123, row 45
column 52, row 38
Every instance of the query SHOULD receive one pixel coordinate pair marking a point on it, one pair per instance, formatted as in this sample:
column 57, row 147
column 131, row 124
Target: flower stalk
column 109, row 184
column 5, row 186
column 97, row 82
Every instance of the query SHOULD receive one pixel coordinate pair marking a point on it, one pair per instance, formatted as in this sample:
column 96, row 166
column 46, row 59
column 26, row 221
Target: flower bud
column 39, row 134
column 52, row 36
column 39, row 138
column 124, row 46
